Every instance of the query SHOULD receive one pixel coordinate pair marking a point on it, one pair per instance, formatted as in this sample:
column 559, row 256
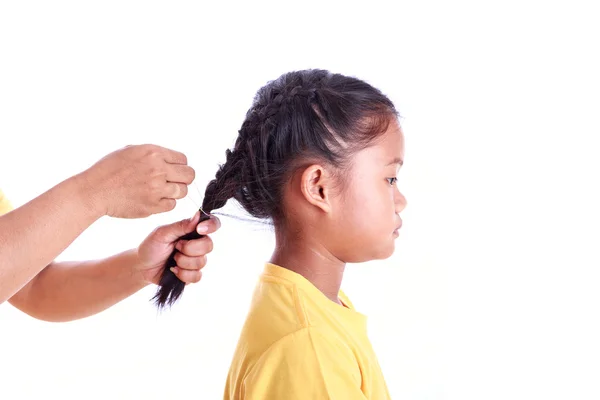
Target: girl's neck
column 312, row 261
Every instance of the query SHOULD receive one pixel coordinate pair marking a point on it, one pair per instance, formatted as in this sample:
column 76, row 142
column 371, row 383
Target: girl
column 318, row 153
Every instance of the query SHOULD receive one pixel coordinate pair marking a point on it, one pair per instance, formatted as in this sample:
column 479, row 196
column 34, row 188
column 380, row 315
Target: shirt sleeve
column 307, row 364
column 5, row 205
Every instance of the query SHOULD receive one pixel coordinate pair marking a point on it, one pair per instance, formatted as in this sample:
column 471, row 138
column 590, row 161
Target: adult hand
column 191, row 254
column 137, row 181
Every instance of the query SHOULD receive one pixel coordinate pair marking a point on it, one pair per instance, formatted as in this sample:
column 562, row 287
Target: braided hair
column 302, row 115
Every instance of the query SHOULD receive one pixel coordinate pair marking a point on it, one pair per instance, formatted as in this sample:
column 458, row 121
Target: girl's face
column 366, row 213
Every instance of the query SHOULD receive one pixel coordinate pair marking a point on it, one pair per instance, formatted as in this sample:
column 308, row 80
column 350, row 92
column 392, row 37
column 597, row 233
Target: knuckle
column 146, row 148
column 184, row 246
column 159, row 172
column 158, row 232
column 153, row 173
column 151, row 151
column 154, row 184
column 183, row 226
column 155, row 154
column 183, row 157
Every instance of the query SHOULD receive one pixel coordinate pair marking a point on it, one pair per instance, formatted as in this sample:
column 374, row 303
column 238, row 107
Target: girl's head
column 318, row 153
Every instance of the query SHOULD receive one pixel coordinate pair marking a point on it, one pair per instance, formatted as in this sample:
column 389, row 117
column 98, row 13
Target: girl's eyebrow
column 396, row 160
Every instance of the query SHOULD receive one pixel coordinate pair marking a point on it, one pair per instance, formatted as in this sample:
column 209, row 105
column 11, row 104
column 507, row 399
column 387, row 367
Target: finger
column 165, row 205
column 172, row 232
column 195, row 248
column 190, row 263
column 174, row 157
column 175, row 190
column 209, row 226
column 187, row 276
column 180, row 173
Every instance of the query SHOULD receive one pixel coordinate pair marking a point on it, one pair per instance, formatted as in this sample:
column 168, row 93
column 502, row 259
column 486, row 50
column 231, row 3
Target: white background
column 493, row 290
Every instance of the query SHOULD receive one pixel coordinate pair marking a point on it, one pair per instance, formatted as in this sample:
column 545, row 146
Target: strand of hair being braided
column 226, row 185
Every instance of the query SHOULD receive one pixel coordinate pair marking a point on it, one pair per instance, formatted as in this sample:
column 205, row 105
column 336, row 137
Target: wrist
column 87, row 194
column 139, row 270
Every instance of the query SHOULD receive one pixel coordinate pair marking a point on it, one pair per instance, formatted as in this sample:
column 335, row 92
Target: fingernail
column 202, row 228
column 173, row 270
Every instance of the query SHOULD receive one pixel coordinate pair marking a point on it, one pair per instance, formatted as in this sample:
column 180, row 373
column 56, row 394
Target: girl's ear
column 316, row 184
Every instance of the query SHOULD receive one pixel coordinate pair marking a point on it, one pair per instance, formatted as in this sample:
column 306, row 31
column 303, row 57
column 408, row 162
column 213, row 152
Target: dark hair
column 302, row 115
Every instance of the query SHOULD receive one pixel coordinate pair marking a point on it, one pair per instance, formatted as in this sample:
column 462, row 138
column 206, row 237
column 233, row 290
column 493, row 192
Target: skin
column 132, row 182
column 333, row 224
column 66, row 291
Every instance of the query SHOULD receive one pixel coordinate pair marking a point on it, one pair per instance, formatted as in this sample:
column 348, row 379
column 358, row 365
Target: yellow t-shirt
column 5, row 205
column 298, row 344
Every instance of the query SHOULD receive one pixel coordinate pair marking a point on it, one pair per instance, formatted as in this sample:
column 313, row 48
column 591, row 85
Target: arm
column 72, row 290
column 133, row 182
column 33, row 235
column 305, row 365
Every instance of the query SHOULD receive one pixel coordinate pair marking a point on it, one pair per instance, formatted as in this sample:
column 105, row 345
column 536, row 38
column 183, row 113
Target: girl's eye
column 392, row 180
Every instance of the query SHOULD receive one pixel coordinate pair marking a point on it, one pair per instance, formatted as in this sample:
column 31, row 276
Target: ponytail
column 219, row 190
column 170, row 286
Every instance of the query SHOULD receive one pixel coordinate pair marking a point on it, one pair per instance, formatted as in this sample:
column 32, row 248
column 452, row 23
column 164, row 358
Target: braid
column 226, row 185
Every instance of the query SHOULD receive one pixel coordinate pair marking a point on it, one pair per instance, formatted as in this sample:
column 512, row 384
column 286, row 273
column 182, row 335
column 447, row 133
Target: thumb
column 172, row 232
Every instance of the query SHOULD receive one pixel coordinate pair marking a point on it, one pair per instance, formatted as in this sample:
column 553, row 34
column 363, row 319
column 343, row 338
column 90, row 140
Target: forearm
column 33, row 235
column 67, row 291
